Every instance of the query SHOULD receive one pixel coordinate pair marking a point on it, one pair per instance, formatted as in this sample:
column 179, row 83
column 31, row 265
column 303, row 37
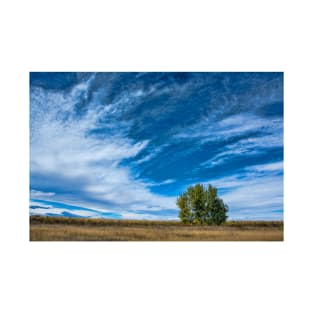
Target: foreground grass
column 85, row 229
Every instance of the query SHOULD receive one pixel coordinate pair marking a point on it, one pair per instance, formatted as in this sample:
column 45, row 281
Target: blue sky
column 125, row 145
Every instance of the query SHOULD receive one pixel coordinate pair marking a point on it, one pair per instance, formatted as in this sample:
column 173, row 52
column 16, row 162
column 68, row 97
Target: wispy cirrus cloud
column 248, row 135
column 234, row 127
column 64, row 151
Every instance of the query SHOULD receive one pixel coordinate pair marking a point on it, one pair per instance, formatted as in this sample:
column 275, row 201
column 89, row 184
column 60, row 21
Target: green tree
column 216, row 207
column 185, row 213
column 201, row 206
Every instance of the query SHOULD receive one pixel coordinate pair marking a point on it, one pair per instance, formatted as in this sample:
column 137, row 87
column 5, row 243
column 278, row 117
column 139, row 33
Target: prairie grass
column 86, row 229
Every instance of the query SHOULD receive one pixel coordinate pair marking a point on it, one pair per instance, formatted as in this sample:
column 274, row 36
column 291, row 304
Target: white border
column 155, row 36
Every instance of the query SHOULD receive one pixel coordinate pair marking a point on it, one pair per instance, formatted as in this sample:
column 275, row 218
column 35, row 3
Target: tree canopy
column 201, row 206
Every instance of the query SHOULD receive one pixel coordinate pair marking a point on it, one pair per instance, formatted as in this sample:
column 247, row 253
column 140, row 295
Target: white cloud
column 45, row 211
column 136, row 216
column 164, row 182
column 39, row 204
column 153, row 153
column 60, row 211
column 275, row 166
column 232, row 126
column 251, row 194
column 248, row 146
column 41, row 194
column 167, row 181
column 63, row 149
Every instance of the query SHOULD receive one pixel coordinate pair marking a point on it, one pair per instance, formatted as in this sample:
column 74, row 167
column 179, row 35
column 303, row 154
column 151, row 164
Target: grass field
column 85, row 229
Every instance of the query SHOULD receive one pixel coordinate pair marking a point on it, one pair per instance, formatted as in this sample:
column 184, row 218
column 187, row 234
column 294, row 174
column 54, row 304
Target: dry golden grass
column 80, row 229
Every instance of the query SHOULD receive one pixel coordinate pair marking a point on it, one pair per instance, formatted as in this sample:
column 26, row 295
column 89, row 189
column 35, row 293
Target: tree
column 201, row 206
column 185, row 213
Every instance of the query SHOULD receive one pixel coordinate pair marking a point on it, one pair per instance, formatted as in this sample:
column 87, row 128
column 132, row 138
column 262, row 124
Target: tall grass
column 87, row 229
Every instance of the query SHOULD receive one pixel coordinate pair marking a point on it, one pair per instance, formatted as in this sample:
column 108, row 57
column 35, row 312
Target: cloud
column 152, row 153
column 145, row 216
column 244, row 148
column 275, row 166
column 255, row 192
column 231, row 126
column 43, row 207
column 65, row 151
column 251, row 135
column 41, row 194
column 62, row 212
column 161, row 183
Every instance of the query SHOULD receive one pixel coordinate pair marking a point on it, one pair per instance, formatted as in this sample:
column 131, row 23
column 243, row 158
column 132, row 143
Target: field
column 85, row 229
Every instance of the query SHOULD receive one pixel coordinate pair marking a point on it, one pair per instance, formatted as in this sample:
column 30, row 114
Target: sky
column 126, row 145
